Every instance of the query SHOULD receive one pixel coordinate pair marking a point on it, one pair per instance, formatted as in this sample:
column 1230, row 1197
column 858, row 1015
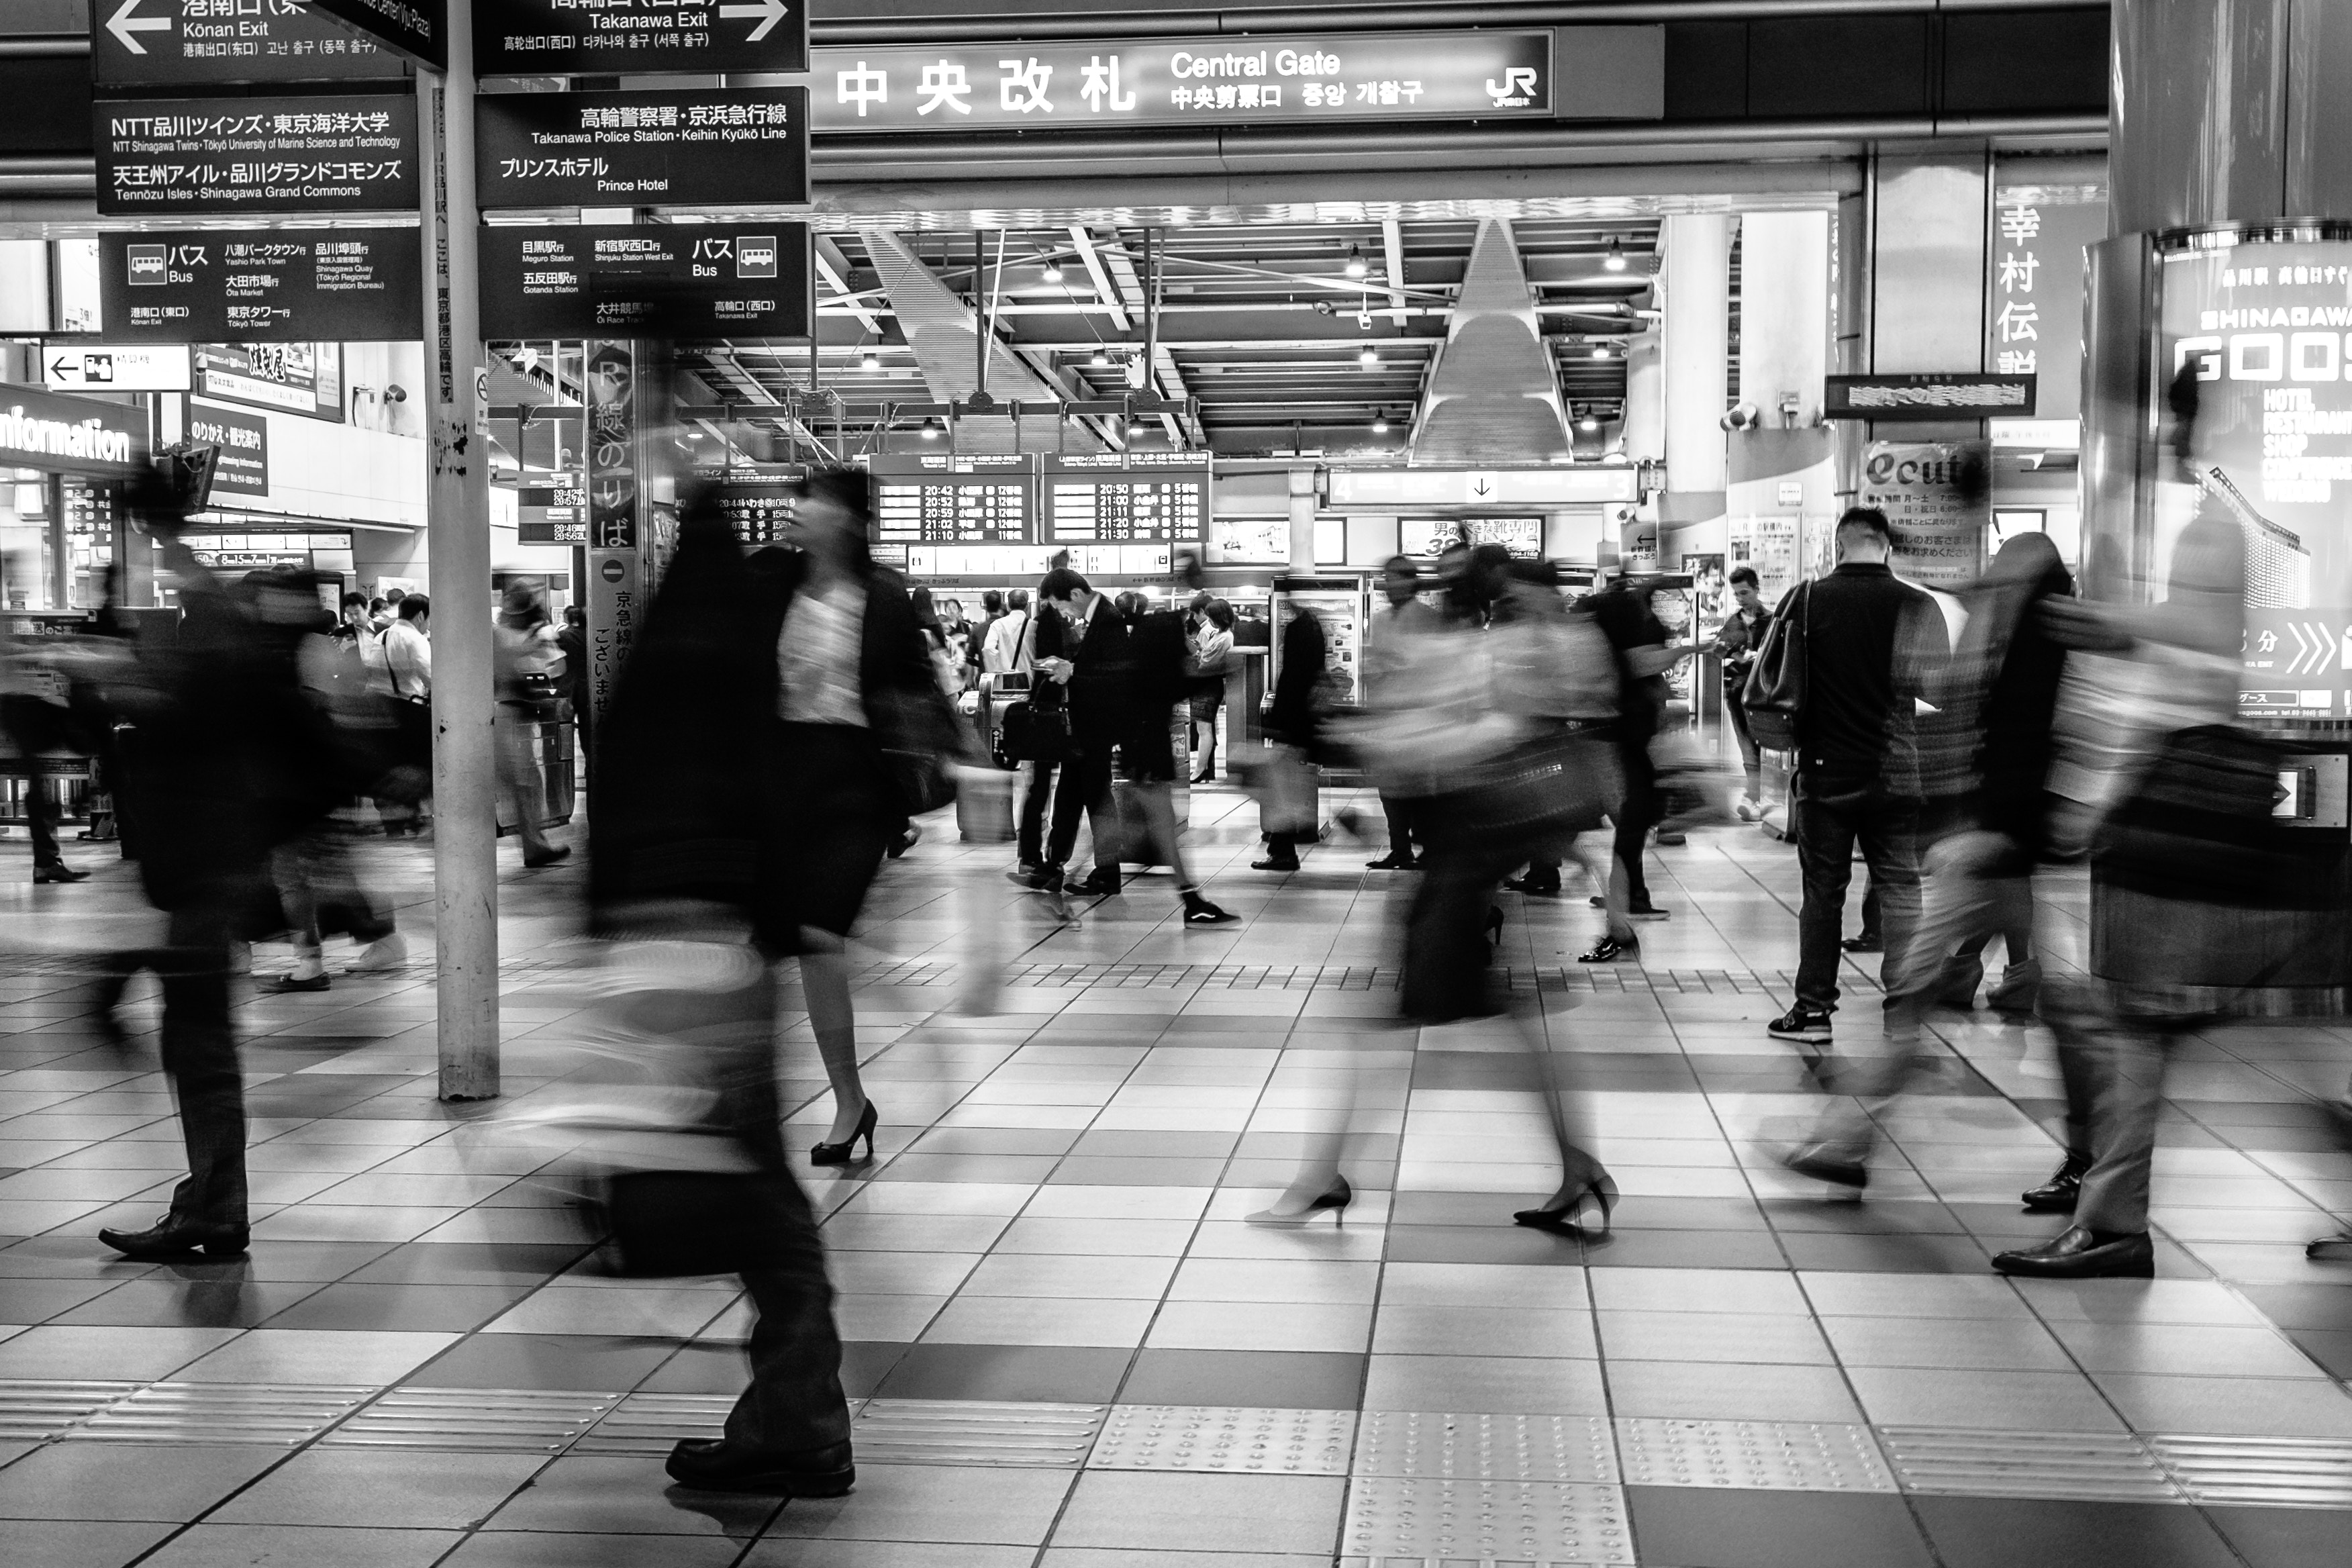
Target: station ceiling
column 1291, row 337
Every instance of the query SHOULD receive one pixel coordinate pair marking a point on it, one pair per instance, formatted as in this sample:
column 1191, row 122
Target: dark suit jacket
column 1098, row 697
column 894, row 661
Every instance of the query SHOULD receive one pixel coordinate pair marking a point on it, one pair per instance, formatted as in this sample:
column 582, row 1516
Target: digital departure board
column 952, row 509
column 551, row 514
column 1116, row 499
column 760, row 510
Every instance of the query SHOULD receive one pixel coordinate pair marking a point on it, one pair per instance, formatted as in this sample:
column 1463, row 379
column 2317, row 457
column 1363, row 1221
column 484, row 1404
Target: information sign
column 162, row 156
column 718, row 145
column 287, row 284
column 616, row 37
column 551, row 514
column 191, row 43
column 62, row 435
column 954, row 508
column 1121, row 505
column 417, row 29
column 746, row 281
column 115, row 367
column 287, row 378
column 1960, row 396
column 1320, row 78
column 244, row 442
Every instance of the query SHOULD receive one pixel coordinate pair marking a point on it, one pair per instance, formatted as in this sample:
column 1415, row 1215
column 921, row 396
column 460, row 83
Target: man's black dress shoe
column 1868, row 942
column 1102, row 884
column 715, row 1465
column 2080, row 1253
column 2057, row 1194
column 174, row 1236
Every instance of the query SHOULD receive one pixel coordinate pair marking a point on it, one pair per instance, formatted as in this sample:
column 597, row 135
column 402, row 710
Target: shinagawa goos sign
column 1221, row 82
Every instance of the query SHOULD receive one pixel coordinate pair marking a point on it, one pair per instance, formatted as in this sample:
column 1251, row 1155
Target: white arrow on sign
column 126, row 25
column 769, row 13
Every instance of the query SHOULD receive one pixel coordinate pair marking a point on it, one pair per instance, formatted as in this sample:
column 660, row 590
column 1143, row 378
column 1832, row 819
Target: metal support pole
column 465, row 762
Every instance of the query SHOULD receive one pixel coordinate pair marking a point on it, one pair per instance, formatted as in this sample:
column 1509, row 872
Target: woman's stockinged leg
column 824, row 975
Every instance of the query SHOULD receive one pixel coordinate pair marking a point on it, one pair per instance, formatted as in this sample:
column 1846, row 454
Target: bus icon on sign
column 755, row 256
column 149, row 263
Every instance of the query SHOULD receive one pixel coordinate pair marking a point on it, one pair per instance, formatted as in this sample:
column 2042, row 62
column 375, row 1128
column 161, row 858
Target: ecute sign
column 71, row 434
column 1222, row 82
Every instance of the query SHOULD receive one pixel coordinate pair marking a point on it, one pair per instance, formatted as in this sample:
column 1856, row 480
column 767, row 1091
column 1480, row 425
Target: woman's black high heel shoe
column 1336, row 1197
column 1569, row 1218
column 842, row 1152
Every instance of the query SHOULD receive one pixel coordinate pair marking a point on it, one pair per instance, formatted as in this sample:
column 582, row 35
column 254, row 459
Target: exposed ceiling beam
column 1110, row 297
column 1392, row 242
column 1165, row 378
column 834, row 268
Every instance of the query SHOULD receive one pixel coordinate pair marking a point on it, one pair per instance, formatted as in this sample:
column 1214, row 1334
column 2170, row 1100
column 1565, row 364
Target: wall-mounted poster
column 1937, row 498
column 1709, row 592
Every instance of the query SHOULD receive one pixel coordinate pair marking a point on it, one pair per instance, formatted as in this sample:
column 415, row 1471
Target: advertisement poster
column 1768, row 544
column 2266, row 333
column 287, row 378
column 1710, row 594
column 1937, row 498
column 1250, row 541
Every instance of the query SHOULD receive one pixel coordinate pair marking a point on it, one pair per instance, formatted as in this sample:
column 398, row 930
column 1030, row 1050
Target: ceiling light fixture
column 1615, row 260
column 1356, row 266
column 1587, row 422
column 1100, row 358
column 1369, row 359
column 870, row 360
column 930, row 429
column 1601, row 350
column 1053, row 271
column 1380, row 424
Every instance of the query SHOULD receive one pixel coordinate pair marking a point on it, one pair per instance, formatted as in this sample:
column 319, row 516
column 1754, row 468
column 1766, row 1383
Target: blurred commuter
column 35, row 713
column 336, row 755
column 1737, row 644
column 945, row 672
column 851, row 681
column 408, row 652
column 1985, row 758
column 1039, row 637
column 2184, row 850
column 1495, row 732
column 1010, row 644
column 695, row 880
column 1289, row 812
column 1092, row 673
column 1622, row 609
column 572, row 642
column 528, row 664
column 991, row 610
column 1870, row 640
column 355, row 627
column 219, row 775
column 1156, row 664
column 1212, row 662
column 1394, row 626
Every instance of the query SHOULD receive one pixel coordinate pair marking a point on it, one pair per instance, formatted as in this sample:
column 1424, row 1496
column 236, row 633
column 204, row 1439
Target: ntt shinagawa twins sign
column 1221, row 82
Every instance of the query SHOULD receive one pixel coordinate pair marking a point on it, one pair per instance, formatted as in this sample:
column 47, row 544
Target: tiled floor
column 1067, row 1350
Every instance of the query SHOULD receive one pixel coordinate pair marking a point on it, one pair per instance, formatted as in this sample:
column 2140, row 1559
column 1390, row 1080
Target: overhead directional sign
column 161, row 156
column 1227, row 81
column 523, row 37
column 274, row 286
column 188, row 43
column 749, row 280
column 61, row 435
column 706, row 145
column 417, row 29
column 1963, row 395
column 116, row 367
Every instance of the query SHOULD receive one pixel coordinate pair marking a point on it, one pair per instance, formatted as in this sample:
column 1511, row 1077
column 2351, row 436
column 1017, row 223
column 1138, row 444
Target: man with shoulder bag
column 1840, row 675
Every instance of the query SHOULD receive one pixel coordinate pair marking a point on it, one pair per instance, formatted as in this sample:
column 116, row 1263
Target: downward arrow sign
column 770, row 12
column 126, row 25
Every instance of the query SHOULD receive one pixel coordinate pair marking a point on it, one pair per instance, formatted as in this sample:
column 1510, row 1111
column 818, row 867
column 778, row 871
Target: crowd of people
column 787, row 715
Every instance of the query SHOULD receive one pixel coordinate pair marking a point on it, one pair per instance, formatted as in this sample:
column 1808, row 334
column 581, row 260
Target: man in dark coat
column 1290, row 721
column 1092, row 669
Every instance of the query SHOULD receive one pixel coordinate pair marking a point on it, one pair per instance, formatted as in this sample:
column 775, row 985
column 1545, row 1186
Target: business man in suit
column 1091, row 670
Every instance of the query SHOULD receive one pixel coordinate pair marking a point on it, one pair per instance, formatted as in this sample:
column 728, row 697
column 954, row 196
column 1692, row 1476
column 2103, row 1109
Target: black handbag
column 2197, row 828
column 1561, row 782
column 1033, row 732
column 662, row 1225
column 1774, row 696
column 920, row 740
